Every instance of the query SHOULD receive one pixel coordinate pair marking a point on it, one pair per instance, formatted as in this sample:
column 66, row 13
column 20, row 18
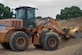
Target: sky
column 45, row 7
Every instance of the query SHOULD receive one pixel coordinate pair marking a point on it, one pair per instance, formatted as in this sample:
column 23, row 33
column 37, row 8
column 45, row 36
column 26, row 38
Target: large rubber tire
column 38, row 46
column 51, row 42
column 42, row 36
column 5, row 45
column 41, row 39
column 19, row 41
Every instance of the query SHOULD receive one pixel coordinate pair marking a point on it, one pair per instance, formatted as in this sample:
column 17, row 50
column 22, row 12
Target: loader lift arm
column 51, row 25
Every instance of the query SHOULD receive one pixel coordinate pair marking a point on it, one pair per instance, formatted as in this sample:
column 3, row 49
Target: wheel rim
column 20, row 41
column 52, row 42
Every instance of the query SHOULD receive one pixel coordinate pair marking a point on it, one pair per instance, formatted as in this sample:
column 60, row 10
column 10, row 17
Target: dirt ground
column 69, row 47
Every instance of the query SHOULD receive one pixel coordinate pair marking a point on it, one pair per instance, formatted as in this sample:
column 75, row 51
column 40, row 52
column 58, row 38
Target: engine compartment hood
column 11, row 22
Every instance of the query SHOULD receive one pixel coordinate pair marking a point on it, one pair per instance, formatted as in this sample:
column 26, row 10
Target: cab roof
column 24, row 7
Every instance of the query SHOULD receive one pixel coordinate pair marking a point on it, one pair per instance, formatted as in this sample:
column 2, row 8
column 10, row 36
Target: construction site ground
column 72, row 46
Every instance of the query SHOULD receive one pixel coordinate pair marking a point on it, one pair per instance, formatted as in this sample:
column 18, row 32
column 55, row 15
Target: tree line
column 66, row 13
column 69, row 12
column 5, row 11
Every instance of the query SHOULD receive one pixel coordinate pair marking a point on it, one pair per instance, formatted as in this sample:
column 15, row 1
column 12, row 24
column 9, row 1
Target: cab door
column 31, row 17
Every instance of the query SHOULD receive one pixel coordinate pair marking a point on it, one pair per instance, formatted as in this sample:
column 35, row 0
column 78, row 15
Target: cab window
column 20, row 14
column 30, row 13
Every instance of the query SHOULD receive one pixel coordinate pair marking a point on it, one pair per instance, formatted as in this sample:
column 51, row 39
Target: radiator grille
column 16, row 24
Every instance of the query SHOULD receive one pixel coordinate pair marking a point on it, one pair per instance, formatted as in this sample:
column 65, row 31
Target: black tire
column 38, row 46
column 5, row 45
column 48, row 45
column 42, row 36
column 19, row 41
column 41, row 39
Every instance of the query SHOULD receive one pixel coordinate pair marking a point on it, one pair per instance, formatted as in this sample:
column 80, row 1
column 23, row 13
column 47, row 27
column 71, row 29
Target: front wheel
column 51, row 42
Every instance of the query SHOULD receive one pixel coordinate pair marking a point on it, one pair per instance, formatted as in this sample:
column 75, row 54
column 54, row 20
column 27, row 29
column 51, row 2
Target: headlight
column 2, row 24
column 2, row 27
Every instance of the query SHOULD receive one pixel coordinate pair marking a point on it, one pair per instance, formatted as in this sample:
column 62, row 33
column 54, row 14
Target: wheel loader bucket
column 75, row 32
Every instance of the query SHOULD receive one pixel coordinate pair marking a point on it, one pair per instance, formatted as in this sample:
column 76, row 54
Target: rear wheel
column 5, row 45
column 19, row 41
column 51, row 42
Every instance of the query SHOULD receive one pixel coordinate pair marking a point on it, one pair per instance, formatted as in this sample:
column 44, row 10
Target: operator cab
column 27, row 14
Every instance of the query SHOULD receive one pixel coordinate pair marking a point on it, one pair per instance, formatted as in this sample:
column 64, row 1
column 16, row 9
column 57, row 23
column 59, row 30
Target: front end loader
column 18, row 34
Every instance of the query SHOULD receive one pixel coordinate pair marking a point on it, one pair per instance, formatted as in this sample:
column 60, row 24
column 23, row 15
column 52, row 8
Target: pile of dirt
column 39, row 21
column 71, row 22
